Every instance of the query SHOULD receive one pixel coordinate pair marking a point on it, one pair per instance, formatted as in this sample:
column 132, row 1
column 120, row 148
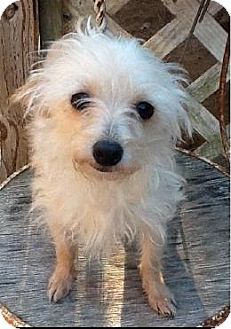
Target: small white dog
column 106, row 117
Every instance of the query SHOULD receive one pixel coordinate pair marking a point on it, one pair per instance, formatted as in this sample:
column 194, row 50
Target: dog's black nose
column 107, row 153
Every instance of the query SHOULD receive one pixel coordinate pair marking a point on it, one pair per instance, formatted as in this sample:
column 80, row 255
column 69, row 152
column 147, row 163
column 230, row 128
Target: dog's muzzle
column 107, row 153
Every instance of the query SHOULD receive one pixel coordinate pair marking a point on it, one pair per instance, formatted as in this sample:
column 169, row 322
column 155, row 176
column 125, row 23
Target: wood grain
column 202, row 120
column 108, row 293
column 50, row 21
column 168, row 38
column 18, row 38
column 114, row 6
column 209, row 32
column 206, row 84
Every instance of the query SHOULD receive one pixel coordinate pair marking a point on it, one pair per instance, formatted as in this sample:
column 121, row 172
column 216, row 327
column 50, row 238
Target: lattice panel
column 213, row 37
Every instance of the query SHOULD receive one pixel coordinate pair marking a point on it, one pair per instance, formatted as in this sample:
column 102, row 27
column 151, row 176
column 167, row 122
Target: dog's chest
column 105, row 215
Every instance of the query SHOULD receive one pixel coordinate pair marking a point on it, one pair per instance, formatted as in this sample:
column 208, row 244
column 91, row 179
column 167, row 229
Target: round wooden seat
column 109, row 293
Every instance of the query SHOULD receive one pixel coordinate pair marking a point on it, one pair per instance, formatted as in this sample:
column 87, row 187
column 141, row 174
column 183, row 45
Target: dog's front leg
column 159, row 296
column 62, row 278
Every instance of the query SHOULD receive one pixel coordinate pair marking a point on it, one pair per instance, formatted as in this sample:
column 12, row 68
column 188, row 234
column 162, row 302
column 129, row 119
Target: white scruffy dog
column 106, row 117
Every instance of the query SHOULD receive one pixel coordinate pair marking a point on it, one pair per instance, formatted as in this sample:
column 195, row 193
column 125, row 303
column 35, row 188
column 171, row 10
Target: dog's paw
column 163, row 303
column 161, row 300
column 59, row 285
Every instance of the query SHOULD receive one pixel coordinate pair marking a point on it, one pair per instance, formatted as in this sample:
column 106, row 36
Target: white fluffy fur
column 140, row 194
column 101, row 209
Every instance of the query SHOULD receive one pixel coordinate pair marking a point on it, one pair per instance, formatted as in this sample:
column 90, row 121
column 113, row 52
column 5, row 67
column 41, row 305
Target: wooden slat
column 172, row 6
column 175, row 7
column 168, row 38
column 206, row 84
column 214, row 148
column 209, row 32
column 212, row 36
column 114, row 6
column 202, row 120
column 214, row 7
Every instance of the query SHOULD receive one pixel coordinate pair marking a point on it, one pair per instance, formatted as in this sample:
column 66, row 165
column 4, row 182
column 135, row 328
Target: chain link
column 100, row 10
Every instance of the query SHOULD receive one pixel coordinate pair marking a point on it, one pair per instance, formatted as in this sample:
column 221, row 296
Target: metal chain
column 100, row 10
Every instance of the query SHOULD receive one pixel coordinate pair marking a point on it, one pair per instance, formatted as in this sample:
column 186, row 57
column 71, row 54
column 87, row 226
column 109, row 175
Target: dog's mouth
column 106, row 172
column 104, row 169
column 113, row 173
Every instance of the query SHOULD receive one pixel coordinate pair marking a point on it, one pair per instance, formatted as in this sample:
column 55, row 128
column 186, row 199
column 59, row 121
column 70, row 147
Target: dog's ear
column 23, row 94
column 182, row 114
column 30, row 96
column 178, row 101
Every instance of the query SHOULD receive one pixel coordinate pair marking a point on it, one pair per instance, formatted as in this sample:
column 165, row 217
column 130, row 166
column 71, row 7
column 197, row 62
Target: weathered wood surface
column 50, row 21
column 109, row 293
column 18, row 38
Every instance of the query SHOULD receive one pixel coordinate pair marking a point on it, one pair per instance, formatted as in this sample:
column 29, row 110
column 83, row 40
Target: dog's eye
column 80, row 101
column 145, row 110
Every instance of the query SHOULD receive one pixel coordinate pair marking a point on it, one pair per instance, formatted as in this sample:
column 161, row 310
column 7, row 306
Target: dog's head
column 109, row 101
